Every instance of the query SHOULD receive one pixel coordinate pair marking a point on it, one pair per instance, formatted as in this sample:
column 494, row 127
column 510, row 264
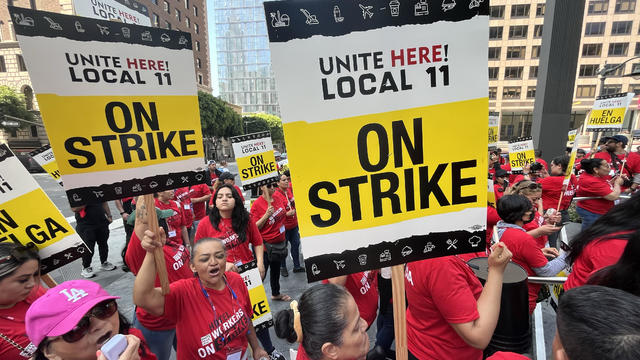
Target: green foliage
column 261, row 122
column 217, row 118
column 12, row 103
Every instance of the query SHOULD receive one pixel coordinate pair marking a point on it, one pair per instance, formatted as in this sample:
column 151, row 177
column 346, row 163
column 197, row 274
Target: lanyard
column 213, row 307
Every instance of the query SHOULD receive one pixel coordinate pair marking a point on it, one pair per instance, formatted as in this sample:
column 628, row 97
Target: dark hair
column 581, row 151
column 563, row 161
column 125, row 325
column 239, row 216
column 590, row 165
column 625, row 274
column 511, row 208
column 201, row 242
column 622, row 217
column 599, row 323
column 322, row 315
column 287, row 173
column 537, row 153
column 8, row 267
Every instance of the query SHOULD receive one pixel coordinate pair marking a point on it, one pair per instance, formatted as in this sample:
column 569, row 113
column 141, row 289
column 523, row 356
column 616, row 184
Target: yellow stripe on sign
column 256, row 165
column 606, row 117
column 259, row 302
column 52, row 169
column 43, row 224
column 421, row 168
column 102, row 133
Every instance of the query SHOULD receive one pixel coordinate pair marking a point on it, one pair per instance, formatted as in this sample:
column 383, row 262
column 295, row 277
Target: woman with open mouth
column 73, row 320
column 212, row 310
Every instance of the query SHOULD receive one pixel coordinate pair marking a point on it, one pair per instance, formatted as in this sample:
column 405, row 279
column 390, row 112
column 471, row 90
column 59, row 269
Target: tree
column 12, row 103
column 261, row 122
column 217, row 119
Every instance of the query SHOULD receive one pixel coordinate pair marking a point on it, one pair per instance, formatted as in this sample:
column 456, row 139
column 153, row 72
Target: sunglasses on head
column 101, row 311
column 21, row 253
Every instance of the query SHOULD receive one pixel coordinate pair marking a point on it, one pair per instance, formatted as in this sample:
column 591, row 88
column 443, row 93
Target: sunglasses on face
column 270, row 186
column 102, row 311
column 20, row 253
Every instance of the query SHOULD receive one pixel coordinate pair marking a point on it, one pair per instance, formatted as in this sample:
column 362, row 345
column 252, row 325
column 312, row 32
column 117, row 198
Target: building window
column 533, row 72
column 540, row 8
column 492, row 92
column 621, row 27
column 34, row 131
column 512, row 72
column 187, row 22
column 496, row 12
column 195, row 11
column 200, row 79
column 625, row 6
column 167, row 25
column 156, row 20
column 166, row 7
column 520, row 10
column 612, row 89
column 155, row 2
column 21, row 65
column 186, row 4
column 511, row 92
column 516, row 52
column 586, row 91
column 196, row 28
column 199, row 63
column 535, row 51
column 494, row 53
column 493, row 73
column 197, row 45
column 588, row 70
column 28, row 97
column 591, row 50
column 618, row 72
column 594, row 29
column 634, row 88
column 3, row 66
column 618, row 49
column 531, row 92
column 537, row 31
column 495, row 32
column 518, row 32
column 598, row 7
column 635, row 68
column 637, row 52
column 177, row 14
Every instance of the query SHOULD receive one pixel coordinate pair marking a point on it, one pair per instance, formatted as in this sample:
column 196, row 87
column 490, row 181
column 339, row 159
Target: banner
column 491, row 193
column 494, row 129
column 126, row 11
column 118, row 101
column 27, row 215
column 572, row 160
column 398, row 93
column 608, row 112
column 44, row 157
column 572, row 135
column 256, row 162
column 262, row 317
column 521, row 153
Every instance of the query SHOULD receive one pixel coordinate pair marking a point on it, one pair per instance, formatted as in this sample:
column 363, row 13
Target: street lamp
column 608, row 69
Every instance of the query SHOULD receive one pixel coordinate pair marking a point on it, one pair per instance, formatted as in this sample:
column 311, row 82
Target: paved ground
column 120, row 283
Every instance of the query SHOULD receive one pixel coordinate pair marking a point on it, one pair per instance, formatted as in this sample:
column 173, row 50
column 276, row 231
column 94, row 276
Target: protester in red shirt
column 624, row 274
column 553, row 187
column 501, row 183
column 292, row 233
column 176, row 226
column 602, row 244
column 515, row 211
column 326, row 323
column 632, row 169
column 212, row 310
column 363, row 286
column 183, row 198
column 593, row 183
column 614, row 153
column 19, row 288
column 450, row 315
column 200, row 195
column 492, row 220
column 158, row 331
column 268, row 213
column 542, row 225
column 74, row 319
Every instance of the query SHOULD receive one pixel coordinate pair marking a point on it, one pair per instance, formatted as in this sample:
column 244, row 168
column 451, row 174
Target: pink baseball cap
column 60, row 309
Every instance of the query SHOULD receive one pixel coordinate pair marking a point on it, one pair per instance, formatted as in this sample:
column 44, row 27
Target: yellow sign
column 255, row 158
column 608, row 112
column 572, row 135
column 44, row 157
column 494, row 120
column 521, row 153
column 261, row 316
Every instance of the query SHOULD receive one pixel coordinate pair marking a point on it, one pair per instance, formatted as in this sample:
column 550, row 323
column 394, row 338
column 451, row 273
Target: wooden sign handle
column 595, row 146
column 48, row 280
column 399, row 312
column 158, row 254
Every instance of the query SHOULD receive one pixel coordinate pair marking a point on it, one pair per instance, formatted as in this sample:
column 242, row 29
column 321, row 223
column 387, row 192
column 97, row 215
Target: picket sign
column 151, row 219
column 399, row 311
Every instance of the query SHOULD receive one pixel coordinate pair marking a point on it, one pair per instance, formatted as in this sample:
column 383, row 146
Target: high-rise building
column 183, row 15
column 610, row 34
column 243, row 57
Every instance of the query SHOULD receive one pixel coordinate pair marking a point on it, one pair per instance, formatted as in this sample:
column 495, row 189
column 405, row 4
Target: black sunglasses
column 21, row 253
column 269, row 186
column 101, row 311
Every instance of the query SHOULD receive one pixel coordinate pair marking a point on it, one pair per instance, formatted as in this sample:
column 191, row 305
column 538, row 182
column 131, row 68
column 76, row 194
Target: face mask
column 531, row 217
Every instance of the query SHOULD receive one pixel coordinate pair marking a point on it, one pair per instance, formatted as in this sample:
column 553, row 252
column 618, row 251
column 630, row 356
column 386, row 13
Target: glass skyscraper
column 243, row 57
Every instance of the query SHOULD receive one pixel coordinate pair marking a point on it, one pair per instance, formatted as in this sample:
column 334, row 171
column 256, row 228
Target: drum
column 513, row 331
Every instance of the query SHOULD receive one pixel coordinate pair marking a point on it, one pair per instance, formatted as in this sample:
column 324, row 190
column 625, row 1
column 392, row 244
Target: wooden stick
column 48, row 280
column 595, row 147
column 399, row 312
column 158, row 254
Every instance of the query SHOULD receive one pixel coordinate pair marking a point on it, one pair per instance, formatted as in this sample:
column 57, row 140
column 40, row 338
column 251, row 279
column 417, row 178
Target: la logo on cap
column 74, row 295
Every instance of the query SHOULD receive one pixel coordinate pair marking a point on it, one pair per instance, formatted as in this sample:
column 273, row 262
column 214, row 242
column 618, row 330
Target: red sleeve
column 202, row 230
column 530, row 252
column 239, row 192
column 173, row 300
column 452, row 295
column 135, row 254
column 257, row 210
column 254, row 234
column 492, row 216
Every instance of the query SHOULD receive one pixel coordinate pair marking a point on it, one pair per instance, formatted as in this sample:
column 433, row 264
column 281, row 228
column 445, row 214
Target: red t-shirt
column 199, row 209
column 148, row 355
column 201, row 332
column 290, row 222
column 363, row 286
column 182, row 195
column 551, row 189
column 538, row 220
column 501, row 355
column 527, row 254
column 273, row 229
column 497, row 192
column 12, row 326
column 492, row 220
column 175, row 222
column 440, row 292
column 589, row 185
column 176, row 258
column 237, row 252
column 633, row 164
column 595, row 256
